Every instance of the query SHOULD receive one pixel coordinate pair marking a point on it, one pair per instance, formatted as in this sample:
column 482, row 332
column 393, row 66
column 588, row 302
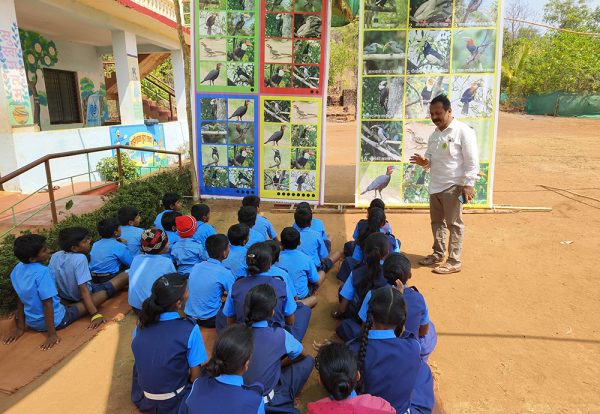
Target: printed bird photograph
column 240, row 110
column 307, row 26
column 474, row 50
column 278, row 51
column 240, row 4
column 305, row 112
column 383, row 97
column 276, row 110
column 240, row 74
column 385, row 14
column 479, row 13
column 213, row 5
column 240, row 133
column 275, row 157
column 415, row 184
column 307, row 51
column 212, row 23
column 278, row 25
column 212, row 49
column 279, row 5
column 484, row 130
column 306, row 77
column 381, row 141
column 276, row 135
column 276, row 180
column 214, row 177
column 240, row 50
column 431, row 13
column 240, row 24
column 416, row 137
column 379, row 180
column 213, row 132
column 213, row 109
column 472, row 96
column 303, row 159
column 304, row 135
column 240, row 156
column 278, row 76
column 214, row 155
column 211, row 74
column 481, row 185
column 420, row 90
column 308, row 5
column 241, row 178
column 384, row 52
column 303, row 181
column 428, row 51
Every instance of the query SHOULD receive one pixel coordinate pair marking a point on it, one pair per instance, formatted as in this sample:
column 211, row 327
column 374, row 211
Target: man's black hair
column 216, row 245
column 303, row 217
column 290, row 238
column 107, row 227
column 238, row 234
column 247, row 215
column 443, row 99
column 28, row 246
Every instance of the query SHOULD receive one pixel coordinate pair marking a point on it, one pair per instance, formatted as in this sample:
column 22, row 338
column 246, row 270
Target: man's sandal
column 447, row 269
column 431, row 260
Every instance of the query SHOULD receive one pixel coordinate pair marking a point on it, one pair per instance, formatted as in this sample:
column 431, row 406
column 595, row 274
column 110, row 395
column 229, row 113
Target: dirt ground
column 519, row 328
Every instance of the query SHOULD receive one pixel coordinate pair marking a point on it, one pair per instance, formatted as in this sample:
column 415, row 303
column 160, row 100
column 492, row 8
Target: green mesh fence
column 564, row 104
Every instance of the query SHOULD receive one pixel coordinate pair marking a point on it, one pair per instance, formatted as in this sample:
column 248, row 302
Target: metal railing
column 49, row 181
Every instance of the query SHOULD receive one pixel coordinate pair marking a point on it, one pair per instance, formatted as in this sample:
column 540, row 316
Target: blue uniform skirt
column 170, row 406
column 293, row 378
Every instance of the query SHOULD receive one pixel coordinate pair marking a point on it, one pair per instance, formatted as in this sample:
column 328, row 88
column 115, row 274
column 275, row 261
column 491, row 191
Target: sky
column 537, row 8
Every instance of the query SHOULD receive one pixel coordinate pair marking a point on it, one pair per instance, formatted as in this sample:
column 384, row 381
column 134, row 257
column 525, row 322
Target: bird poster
column 410, row 52
column 226, row 130
column 293, row 46
column 290, row 147
column 226, row 45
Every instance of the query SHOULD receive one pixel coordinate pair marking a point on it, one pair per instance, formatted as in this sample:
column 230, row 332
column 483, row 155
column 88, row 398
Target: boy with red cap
column 187, row 251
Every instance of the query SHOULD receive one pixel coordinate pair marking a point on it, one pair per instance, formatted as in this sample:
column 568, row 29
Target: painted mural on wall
column 87, row 88
column 13, row 77
column 142, row 136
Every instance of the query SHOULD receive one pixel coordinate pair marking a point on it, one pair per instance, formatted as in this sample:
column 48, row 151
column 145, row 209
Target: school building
column 73, row 69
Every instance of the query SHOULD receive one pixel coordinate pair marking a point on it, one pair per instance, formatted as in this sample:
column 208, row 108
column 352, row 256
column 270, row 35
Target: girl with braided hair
column 221, row 387
column 278, row 361
column 168, row 349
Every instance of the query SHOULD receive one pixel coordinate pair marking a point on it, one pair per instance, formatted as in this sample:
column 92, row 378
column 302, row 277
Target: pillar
column 179, row 81
column 128, row 77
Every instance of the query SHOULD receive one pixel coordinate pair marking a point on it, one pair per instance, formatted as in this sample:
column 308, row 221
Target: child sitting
column 187, row 251
column 149, row 266
column 316, row 225
column 129, row 217
column 39, row 306
column 263, row 225
column 201, row 212
column 236, row 260
column 247, row 215
column 108, row 255
column 362, row 223
column 339, row 375
column 171, row 202
column 168, row 224
column 208, row 282
column 311, row 242
column 72, row 275
column 300, row 267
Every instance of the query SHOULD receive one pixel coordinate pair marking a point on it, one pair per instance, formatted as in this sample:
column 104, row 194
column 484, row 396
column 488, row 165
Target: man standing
column 453, row 162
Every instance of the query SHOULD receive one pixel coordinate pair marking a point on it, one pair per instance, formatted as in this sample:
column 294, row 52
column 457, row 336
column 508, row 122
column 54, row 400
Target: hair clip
column 251, row 255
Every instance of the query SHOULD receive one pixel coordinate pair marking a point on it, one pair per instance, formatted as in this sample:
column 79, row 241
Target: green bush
column 109, row 170
column 145, row 194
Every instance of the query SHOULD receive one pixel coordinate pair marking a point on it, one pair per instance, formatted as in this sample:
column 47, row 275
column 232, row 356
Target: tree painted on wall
column 38, row 53
column 87, row 88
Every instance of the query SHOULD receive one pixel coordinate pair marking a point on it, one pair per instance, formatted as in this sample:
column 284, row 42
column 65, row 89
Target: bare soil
column 519, row 327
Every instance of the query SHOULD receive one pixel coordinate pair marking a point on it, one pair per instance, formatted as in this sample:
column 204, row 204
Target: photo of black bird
column 240, row 111
column 306, row 49
column 210, row 22
column 212, row 75
column 472, row 7
column 275, row 4
column 240, row 158
column 276, row 78
column 421, row 179
column 276, row 136
column 300, row 181
column 239, row 25
column 432, row 55
column 242, row 177
column 279, row 24
column 384, row 93
column 427, row 91
column 380, row 183
column 277, row 179
column 241, row 131
column 300, row 162
column 381, row 135
column 242, row 74
column 276, row 159
column 214, row 156
column 240, row 50
column 468, row 96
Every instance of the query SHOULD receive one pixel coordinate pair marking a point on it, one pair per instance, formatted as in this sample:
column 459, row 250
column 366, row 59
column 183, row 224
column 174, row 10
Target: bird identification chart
column 226, row 54
column 290, row 142
column 411, row 51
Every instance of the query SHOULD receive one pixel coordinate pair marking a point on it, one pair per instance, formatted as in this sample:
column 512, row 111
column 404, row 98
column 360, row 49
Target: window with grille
column 63, row 96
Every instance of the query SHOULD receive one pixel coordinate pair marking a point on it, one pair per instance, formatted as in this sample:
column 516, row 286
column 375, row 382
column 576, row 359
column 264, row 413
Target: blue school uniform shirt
column 207, row 283
column 255, row 237
column 186, row 253
column 312, row 245
column 107, row 255
column 70, row 271
column 300, row 269
column 203, row 232
column 316, row 225
column 276, row 270
column 144, row 271
column 357, row 254
column 133, row 235
column 236, row 261
column 34, row 283
column 223, row 394
column 173, row 238
column 158, row 219
column 387, row 228
column 264, row 227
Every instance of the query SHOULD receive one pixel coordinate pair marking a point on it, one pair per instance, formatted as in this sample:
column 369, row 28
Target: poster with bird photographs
column 290, row 147
column 293, row 47
column 410, row 52
column 226, row 45
column 227, row 146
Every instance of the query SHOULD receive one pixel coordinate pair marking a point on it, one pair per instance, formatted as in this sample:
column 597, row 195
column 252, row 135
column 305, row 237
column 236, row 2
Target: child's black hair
column 377, row 202
column 259, row 258
column 396, row 267
column 303, row 217
column 376, row 249
column 247, row 215
column 167, row 221
column 107, row 227
column 166, row 291
column 375, row 219
column 259, row 304
column 28, row 246
column 251, row 200
column 290, row 238
column 126, row 214
column 170, row 199
column 303, row 204
column 337, row 367
column 386, row 307
column 71, row 237
column 199, row 211
column 238, row 234
column 216, row 245
column 275, row 250
column 232, row 350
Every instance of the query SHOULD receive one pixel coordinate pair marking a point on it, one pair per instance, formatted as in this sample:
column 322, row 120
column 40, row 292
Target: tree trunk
column 395, row 98
column 221, row 109
column 188, row 108
column 36, row 104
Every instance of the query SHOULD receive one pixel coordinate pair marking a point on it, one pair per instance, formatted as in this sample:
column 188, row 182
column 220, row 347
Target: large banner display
column 411, row 51
column 258, row 98
column 141, row 136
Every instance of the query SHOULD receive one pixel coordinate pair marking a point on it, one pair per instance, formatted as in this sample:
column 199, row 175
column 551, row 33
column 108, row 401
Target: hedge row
column 145, row 194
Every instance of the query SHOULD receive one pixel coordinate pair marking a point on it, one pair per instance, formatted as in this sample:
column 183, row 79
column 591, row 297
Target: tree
column 516, row 9
column 343, row 62
column 572, row 14
column 38, row 52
